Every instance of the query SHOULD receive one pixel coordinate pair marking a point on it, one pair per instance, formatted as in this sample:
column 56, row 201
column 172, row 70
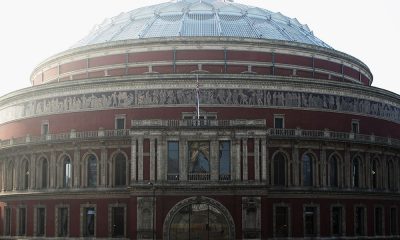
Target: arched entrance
column 199, row 218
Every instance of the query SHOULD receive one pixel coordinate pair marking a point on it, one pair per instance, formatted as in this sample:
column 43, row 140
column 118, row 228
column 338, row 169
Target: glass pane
column 224, row 158
column 281, row 222
column 278, row 122
column 67, row 172
column 90, row 214
column 120, row 170
column 8, row 221
column 217, row 225
column 44, row 173
column 279, row 170
column 359, row 221
column 199, row 155
column 41, row 217
column 199, row 221
column 307, row 170
column 120, row 123
column 336, row 220
column 92, row 171
column 26, row 175
column 118, row 222
column 180, row 225
column 333, row 172
column 173, row 157
column 63, row 222
column 310, row 221
column 22, row 221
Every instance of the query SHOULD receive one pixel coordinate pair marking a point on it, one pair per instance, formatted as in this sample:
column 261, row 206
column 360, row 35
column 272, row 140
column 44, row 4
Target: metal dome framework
column 201, row 18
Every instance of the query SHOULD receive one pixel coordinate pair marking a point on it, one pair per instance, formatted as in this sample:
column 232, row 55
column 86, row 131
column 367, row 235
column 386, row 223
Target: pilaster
column 245, row 160
column 214, row 166
column 322, row 171
column 295, row 167
column 103, row 170
column 77, row 163
column 257, row 159
column 140, row 159
column 183, row 161
column 347, row 168
column 161, row 155
column 52, row 168
column 152, row 160
column 133, row 160
column 236, row 158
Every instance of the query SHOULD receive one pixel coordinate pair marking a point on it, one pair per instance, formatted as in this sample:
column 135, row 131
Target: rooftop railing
column 298, row 133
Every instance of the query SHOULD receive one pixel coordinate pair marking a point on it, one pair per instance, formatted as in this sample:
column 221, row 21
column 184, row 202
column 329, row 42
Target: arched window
column 279, row 170
column 91, row 171
column 333, row 171
column 44, row 173
column 355, row 172
column 67, row 172
column 25, row 175
column 120, row 170
column 374, row 174
column 307, row 170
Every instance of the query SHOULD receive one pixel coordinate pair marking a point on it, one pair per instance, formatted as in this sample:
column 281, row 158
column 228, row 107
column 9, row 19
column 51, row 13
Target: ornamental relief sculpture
column 240, row 97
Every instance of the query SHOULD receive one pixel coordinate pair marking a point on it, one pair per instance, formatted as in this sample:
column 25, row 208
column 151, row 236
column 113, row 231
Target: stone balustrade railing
column 140, row 124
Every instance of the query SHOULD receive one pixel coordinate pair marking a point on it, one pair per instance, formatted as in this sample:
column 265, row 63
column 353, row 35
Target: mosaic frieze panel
column 238, row 97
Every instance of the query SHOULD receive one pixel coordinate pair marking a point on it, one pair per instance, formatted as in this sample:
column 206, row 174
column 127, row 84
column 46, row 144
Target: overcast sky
column 32, row 31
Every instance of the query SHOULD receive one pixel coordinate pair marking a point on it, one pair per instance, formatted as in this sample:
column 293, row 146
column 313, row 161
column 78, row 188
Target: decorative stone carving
column 247, row 97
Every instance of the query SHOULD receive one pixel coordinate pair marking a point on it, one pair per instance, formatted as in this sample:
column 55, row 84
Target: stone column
column 236, row 160
column 77, row 163
column 257, row 159
column 264, row 161
column 32, row 172
column 140, row 159
column 161, row 155
column 322, row 170
column 52, row 169
column 368, row 167
column 152, row 160
column 103, row 170
column 245, row 162
column 133, row 160
column 214, row 166
column 347, row 168
column 295, row 167
column 183, row 161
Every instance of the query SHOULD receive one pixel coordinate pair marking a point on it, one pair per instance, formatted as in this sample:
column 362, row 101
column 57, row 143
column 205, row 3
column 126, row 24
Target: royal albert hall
column 200, row 119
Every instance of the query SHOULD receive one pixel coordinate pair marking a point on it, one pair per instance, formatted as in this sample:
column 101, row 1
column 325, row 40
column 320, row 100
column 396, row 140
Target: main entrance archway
column 199, row 218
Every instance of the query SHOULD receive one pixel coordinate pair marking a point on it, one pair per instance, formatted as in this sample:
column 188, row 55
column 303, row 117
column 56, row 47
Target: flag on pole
column 197, row 97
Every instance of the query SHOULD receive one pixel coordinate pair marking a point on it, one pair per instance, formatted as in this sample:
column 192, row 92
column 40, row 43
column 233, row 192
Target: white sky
column 31, row 31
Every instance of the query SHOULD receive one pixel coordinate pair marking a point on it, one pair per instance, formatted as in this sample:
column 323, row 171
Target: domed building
column 200, row 119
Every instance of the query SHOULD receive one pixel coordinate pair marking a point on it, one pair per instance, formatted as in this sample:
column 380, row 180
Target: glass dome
column 201, row 18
